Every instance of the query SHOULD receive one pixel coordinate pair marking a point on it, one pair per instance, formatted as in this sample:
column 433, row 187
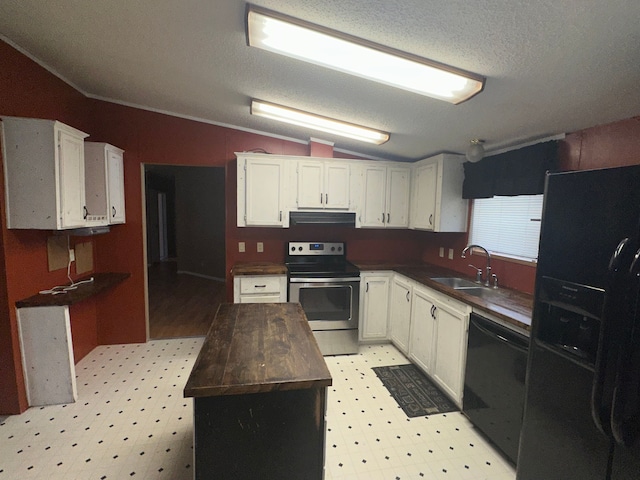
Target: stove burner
column 319, row 259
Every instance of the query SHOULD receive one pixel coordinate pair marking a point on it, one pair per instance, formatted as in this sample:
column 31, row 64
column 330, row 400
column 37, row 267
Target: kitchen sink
column 481, row 292
column 457, row 283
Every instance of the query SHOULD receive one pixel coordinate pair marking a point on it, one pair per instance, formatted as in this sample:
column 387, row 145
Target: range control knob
column 333, row 249
column 339, row 249
column 300, row 249
column 293, row 249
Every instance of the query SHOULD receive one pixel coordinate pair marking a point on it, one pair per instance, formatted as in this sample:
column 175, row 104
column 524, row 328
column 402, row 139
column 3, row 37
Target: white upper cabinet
column 426, row 195
column 385, row 196
column 261, row 191
column 398, row 190
column 323, row 184
column 104, row 183
column 425, row 180
column 436, row 201
column 44, row 174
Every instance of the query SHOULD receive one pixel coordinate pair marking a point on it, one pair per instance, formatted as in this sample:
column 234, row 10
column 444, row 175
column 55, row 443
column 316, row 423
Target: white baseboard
column 194, row 274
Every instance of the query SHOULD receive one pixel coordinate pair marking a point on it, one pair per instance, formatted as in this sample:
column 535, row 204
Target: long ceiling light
column 322, row 46
column 317, row 122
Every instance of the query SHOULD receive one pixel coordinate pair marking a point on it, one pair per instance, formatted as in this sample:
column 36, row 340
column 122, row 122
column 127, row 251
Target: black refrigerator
column 582, row 406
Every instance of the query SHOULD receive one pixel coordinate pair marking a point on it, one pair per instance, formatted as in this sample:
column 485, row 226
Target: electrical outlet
column 241, row 247
column 441, row 253
column 451, row 254
column 72, row 255
column 260, row 247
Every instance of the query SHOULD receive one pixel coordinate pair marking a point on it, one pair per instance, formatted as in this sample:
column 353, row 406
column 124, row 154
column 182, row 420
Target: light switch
column 241, row 247
column 451, row 254
column 260, row 247
column 441, row 253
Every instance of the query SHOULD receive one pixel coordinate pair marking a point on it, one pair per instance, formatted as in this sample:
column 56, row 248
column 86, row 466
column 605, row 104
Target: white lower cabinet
column 451, row 349
column 423, row 327
column 260, row 289
column 400, row 312
column 439, row 328
column 374, row 306
column 429, row 327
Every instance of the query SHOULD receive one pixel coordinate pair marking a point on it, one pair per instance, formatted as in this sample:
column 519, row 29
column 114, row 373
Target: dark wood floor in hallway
column 181, row 305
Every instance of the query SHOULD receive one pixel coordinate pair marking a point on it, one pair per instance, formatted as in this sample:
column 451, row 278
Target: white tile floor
column 131, row 421
column 370, row 437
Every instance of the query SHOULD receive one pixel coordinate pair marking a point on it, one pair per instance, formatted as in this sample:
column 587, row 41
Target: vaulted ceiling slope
column 551, row 66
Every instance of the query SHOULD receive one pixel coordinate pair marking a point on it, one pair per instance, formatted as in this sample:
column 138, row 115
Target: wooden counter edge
column 101, row 282
column 217, row 391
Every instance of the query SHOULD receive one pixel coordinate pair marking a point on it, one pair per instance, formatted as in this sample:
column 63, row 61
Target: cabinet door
column 374, row 200
column 115, row 185
column 71, row 186
column 400, row 314
column 424, row 197
column 451, row 340
column 263, row 203
column 375, row 292
column 336, row 185
column 398, row 189
column 423, row 331
column 310, row 184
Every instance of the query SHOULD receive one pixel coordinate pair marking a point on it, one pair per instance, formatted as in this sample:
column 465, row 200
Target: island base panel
column 263, row 435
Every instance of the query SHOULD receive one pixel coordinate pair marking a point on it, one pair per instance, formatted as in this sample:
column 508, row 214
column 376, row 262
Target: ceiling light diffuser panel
column 317, row 122
column 322, row 46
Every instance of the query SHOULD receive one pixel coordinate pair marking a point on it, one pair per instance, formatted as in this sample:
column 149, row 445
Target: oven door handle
column 324, row 280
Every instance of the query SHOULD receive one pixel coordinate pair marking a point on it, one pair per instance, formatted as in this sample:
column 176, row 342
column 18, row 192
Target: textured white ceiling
column 551, row 66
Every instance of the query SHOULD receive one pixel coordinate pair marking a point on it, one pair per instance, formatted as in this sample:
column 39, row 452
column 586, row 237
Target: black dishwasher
column 494, row 382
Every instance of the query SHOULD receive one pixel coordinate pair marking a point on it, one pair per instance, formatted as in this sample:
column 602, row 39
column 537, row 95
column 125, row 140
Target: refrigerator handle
column 600, row 406
column 625, row 423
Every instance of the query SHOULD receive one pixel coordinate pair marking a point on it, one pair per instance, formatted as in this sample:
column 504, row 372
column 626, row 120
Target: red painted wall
column 612, row 145
column 118, row 316
column 154, row 138
column 27, row 90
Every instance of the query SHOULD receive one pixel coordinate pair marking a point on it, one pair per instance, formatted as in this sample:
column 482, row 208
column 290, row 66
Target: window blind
column 508, row 225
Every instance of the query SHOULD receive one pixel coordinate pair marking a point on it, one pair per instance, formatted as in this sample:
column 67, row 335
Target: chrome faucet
column 469, row 249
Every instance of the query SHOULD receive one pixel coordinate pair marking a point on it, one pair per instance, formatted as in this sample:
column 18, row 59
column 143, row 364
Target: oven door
column 329, row 303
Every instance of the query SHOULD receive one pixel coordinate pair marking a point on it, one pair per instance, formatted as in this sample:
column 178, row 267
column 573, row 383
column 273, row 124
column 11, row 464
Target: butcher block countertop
column 509, row 305
column 101, row 282
column 259, row 268
column 257, row 348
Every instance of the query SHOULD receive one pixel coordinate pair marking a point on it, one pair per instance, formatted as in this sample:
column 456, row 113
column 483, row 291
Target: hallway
column 181, row 305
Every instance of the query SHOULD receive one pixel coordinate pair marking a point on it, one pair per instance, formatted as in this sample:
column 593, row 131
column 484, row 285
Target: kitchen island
column 259, row 390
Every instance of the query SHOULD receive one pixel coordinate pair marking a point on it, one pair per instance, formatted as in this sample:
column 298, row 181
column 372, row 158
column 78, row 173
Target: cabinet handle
column 320, row 199
column 367, row 287
column 388, row 217
column 259, row 286
column 326, row 198
column 280, row 215
column 113, row 212
column 431, row 219
column 407, row 295
column 85, row 212
column 382, row 217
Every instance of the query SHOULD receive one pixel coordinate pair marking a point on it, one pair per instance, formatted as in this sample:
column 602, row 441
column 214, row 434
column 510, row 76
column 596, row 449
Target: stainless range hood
column 347, row 219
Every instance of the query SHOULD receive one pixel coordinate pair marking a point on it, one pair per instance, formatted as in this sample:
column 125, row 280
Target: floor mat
column 414, row 392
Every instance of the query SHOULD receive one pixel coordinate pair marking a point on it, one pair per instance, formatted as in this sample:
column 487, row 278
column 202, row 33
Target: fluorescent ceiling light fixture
column 317, row 122
column 322, row 46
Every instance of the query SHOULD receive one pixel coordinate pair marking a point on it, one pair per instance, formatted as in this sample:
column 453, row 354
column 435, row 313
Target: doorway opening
column 185, row 230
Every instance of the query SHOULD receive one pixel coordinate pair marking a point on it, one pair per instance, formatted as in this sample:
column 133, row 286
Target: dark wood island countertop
column 258, row 348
